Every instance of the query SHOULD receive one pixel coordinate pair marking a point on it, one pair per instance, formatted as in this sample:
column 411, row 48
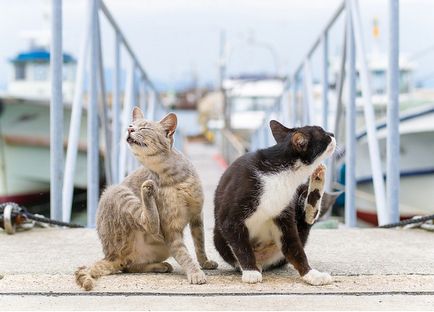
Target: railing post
column 92, row 125
column 75, row 123
column 374, row 151
column 350, row 136
column 143, row 92
column 131, row 161
column 331, row 176
column 103, row 107
column 393, row 168
column 308, row 108
column 293, row 102
column 56, row 112
column 116, row 109
column 126, row 119
column 284, row 107
column 150, row 113
column 325, row 80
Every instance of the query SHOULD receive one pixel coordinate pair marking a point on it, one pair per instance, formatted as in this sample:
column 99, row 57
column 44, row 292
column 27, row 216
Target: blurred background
column 222, row 66
column 178, row 42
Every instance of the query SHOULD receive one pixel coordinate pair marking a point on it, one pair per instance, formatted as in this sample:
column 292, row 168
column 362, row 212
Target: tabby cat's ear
column 300, row 141
column 279, row 131
column 137, row 113
column 169, row 123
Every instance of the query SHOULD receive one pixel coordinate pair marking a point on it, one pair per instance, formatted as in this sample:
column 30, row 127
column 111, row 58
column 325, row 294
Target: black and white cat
column 267, row 200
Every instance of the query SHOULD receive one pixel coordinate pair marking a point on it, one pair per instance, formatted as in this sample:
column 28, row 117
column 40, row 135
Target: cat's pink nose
column 130, row 130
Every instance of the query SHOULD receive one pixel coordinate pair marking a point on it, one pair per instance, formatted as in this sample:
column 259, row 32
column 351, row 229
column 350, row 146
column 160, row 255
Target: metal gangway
column 106, row 123
column 295, row 107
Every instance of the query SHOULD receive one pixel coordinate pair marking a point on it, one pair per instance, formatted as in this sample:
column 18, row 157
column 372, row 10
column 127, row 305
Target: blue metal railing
column 301, row 108
column 102, row 119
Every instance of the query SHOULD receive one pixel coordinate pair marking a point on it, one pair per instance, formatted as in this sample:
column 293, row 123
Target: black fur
column 238, row 193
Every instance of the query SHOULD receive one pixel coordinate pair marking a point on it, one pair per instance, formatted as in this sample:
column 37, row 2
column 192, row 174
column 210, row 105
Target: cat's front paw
column 317, row 278
column 209, row 265
column 197, row 277
column 149, row 188
column 252, row 277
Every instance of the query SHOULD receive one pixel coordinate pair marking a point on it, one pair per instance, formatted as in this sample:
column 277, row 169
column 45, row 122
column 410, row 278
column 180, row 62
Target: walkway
column 373, row 269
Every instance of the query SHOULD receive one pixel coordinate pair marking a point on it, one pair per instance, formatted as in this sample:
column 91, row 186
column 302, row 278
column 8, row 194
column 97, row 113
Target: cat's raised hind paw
column 317, row 278
column 315, row 192
column 252, row 277
column 149, row 188
column 318, row 175
column 209, row 265
column 197, row 277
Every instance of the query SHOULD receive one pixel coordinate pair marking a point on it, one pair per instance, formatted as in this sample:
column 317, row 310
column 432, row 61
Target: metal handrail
column 318, row 41
column 117, row 163
column 127, row 46
column 231, row 146
column 353, row 41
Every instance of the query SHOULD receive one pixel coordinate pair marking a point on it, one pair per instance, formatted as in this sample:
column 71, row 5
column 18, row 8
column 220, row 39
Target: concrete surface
column 372, row 268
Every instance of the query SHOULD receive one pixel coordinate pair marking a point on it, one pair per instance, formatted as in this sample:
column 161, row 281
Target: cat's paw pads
column 197, row 277
column 149, row 187
column 251, row 277
column 317, row 278
column 209, row 265
column 319, row 173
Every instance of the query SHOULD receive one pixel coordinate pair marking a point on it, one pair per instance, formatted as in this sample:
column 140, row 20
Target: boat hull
column 416, row 167
column 25, row 150
column 415, row 198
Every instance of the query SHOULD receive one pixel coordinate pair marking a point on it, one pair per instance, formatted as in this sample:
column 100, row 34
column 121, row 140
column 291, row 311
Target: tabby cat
column 140, row 222
column 267, row 200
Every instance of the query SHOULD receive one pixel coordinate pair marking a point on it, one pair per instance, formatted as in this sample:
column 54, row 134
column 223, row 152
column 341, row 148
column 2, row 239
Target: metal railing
column 230, row 146
column 300, row 110
column 101, row 119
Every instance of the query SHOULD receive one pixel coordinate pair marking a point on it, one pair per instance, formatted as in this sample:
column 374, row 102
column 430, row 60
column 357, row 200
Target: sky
column 178, row 41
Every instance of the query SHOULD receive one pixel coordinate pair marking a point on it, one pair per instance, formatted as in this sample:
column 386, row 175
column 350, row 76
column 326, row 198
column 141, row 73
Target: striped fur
column 141, row 221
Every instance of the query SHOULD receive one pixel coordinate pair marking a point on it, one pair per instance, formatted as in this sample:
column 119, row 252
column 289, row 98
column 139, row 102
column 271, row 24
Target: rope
column 408, row 221
column 24, row 212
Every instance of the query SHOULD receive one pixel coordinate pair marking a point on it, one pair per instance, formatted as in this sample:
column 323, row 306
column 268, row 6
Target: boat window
column 20, row 71
column 40, row 72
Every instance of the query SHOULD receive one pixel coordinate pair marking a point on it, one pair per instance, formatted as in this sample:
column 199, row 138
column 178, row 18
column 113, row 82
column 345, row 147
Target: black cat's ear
column 279, row 131
column 137, row 113
column 300, row 141
column 169, row 123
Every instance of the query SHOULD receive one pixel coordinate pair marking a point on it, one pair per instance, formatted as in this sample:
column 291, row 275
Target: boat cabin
column 31, row 75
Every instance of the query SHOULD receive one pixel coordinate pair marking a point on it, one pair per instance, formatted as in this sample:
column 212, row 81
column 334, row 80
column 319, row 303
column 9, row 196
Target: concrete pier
column 373, row 269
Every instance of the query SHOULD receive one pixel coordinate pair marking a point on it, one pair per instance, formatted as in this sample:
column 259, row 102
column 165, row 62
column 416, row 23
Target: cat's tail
column 86, row 276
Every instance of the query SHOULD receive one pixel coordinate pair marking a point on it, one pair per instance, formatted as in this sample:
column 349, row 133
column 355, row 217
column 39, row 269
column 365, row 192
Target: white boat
column 416, row 137
column 25, row 128
column 416, row 166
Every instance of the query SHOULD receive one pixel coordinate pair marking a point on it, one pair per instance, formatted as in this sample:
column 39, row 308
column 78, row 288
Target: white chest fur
column 278, row 190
